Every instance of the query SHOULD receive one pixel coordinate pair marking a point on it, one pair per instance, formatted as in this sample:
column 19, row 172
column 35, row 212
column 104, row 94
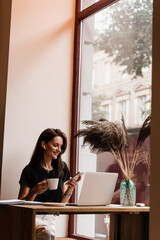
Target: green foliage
column 128, row 35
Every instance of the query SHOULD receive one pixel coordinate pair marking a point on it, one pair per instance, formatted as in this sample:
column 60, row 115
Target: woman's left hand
column 68, row 189
column 71, row 184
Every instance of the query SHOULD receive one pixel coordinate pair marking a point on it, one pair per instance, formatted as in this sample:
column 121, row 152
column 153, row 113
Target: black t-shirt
column 32, row 175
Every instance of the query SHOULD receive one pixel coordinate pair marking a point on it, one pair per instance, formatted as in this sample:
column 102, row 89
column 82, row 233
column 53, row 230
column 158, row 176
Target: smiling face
column 53, row 147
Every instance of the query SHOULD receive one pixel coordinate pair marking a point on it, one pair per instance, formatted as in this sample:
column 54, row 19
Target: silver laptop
column 97, row 188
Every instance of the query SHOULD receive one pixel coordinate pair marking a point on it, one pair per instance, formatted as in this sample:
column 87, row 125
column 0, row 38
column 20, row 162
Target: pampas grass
column 107, row 136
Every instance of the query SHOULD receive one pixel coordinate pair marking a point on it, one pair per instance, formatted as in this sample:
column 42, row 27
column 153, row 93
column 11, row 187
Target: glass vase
column 127, row 193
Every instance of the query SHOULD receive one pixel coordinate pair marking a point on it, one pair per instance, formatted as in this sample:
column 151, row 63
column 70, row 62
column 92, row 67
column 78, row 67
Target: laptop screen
column 97, row 188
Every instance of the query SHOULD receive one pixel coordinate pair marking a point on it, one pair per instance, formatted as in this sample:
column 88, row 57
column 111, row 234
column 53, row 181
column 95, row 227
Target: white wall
column 39, row 89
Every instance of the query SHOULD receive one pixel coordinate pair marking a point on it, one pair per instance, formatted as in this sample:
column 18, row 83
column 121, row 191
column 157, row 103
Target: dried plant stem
column 134, row 163
column 128, row 163
column 126, row 167
column 120, row 162
column 147, row 162
column 125, row 161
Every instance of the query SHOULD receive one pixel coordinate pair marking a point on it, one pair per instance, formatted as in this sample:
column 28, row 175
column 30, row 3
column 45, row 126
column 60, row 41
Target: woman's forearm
column 29, row 197
column 67, row 195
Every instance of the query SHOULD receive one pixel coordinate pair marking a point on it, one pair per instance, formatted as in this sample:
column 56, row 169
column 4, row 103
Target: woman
column 46, row 163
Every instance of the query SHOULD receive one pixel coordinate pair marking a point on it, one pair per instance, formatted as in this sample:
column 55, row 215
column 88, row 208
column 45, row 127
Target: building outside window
column 108, row 78
column 107, row 108
column 142, row 108
column 122, row 109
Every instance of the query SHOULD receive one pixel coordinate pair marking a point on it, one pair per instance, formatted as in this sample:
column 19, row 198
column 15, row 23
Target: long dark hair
column 37, row 156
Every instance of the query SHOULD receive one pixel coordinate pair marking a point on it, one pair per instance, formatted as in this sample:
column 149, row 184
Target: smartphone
column 78, row 174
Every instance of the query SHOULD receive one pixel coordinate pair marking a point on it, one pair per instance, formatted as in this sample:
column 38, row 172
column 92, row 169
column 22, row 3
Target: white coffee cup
column 52, row 183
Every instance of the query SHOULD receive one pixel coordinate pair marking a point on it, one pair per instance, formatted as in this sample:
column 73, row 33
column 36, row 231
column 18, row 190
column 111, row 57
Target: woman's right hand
column 41, row 187
column 26, row 194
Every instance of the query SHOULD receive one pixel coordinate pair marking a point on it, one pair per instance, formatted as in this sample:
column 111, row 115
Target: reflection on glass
column 115, row 80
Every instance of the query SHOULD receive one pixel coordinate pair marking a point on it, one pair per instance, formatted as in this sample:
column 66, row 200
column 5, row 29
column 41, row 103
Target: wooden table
column 17, row 222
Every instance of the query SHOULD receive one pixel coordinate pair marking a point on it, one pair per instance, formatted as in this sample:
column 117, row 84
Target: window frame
column 79, row 16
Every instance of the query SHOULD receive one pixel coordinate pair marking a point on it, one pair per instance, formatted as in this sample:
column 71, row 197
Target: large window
column 114, row 39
